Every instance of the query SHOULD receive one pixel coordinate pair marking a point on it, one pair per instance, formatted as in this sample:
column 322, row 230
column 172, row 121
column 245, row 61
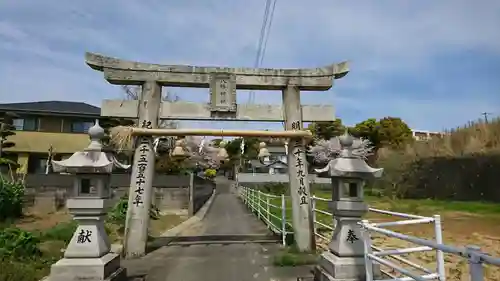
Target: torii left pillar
column 141, row 179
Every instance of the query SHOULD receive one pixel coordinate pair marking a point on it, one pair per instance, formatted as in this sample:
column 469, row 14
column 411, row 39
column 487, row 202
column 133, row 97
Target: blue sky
column 436, row 64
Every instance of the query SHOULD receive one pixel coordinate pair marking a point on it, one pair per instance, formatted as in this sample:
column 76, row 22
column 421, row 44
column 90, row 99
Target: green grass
column 429, row 206
column 51, row 241
column 24, row 267
column 422, row 205
column 411, row 206
column 290, row 256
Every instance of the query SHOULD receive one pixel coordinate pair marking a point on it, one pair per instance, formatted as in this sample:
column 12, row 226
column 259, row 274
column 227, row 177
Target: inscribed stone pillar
column 141, row 180
column 297, row 172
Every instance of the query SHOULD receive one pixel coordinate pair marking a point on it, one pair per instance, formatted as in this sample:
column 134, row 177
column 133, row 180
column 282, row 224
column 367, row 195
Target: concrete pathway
column 230, row 260
column 228, row 216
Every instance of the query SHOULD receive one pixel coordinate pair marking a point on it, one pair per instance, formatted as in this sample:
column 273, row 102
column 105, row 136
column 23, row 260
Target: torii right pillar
column 302, row 219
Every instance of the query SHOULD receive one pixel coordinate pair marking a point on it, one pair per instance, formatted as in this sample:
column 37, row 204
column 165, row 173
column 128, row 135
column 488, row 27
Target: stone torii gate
column 223, row 83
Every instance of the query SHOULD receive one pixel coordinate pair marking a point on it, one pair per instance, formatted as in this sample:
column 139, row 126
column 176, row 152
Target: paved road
column 228, row 216
column 224, row 261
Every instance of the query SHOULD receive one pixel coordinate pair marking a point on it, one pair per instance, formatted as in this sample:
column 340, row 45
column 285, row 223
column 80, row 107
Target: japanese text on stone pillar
column 299, row 164
column 142, row 164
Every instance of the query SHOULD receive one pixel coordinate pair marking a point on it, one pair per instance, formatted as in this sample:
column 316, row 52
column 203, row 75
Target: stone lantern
column 222, row 153
column 87, row 256
column 263, row 153
column 345, row 258
column 179, row 152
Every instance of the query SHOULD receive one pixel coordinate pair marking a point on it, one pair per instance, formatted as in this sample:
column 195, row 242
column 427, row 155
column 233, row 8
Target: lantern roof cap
column 92, row 159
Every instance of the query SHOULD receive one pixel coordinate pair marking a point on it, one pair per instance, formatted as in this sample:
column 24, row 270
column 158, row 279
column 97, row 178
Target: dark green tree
column 233, row 148
column 251, row 148
column 7, row 129
column 368, row 129
column 327, row 129
column 388, row 131
column 394, row 132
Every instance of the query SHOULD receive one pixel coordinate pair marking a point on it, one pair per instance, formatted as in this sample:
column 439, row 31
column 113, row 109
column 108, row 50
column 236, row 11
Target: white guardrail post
column 441, row 271
column 283, row 220
column 313, row 207
column 249, row 198
column 259, row 204
column 253, row 199
column 368, row 250
column 268, row 210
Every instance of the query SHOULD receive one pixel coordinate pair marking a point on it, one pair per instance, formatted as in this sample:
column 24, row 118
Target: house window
column 81, row 127
column 18, row 124
column 37, row 165
column 25, row 124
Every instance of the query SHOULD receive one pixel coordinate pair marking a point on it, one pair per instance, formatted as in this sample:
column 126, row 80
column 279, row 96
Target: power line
column 263, row 53
column 263, row 38
column 262, row 33
column 251, row 96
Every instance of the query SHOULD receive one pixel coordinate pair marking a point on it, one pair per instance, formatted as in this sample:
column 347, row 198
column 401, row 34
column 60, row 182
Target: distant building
column 421, row 135
column 276, row 163
column 43, row 125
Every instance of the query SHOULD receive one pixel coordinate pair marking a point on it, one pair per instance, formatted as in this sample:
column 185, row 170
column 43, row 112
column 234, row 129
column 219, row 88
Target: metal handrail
column 260, row 203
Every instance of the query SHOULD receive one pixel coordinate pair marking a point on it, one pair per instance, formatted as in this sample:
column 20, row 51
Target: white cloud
column 42, row 53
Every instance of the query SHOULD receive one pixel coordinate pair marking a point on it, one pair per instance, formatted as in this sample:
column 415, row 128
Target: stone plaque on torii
column 223, row 83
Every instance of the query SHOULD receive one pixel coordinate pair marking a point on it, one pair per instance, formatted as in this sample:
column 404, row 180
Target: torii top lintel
column 122, row 72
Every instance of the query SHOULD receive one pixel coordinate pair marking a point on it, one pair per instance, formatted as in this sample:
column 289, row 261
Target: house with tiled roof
column 43, row 126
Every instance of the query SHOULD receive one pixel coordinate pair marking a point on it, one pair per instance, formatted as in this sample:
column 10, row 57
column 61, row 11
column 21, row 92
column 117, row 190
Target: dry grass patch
column 164, row 223
column 470, row 224
column 459, row 229
column 36, row 221
column 475, row 137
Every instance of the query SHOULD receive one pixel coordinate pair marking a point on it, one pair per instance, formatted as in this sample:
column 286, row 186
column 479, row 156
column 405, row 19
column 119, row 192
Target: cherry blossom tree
column 201, row 153
column 326, row 150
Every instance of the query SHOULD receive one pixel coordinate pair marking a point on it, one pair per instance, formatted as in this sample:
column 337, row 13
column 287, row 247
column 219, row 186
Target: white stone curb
column 187, row 223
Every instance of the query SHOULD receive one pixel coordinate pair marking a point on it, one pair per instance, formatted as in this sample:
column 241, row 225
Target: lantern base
column 105, row 268
column 334, row 268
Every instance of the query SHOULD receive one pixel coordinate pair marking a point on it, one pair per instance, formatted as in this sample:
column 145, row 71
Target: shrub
column 459, row 165
column 276, row 188
column 22, row 271
column 61, row 232
column 210, row 173
column 118, row 214
column 18, row 244
column 11, row 199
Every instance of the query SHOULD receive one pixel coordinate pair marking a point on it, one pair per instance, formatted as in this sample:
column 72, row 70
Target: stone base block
column 105, row 268
column 334, row 268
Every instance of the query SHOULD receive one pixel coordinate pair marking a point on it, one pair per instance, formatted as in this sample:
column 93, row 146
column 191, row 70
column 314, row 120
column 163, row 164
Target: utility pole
column 485, row 114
